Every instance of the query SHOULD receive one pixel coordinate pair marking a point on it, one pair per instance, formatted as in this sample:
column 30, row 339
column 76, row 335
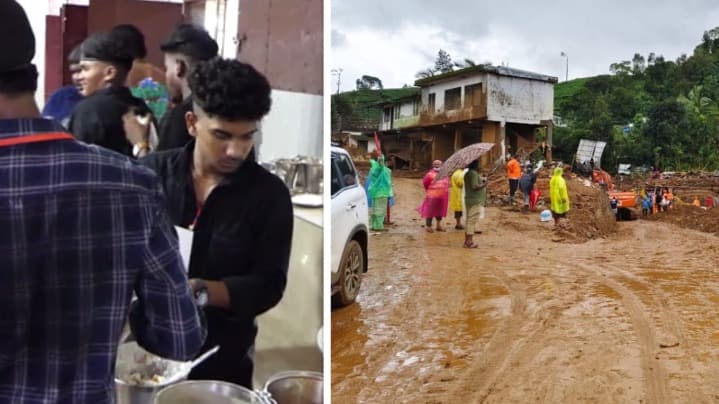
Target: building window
column 415, row 108
column 387, row 114
column 396, row 112
column 453, row 99
column 473, row 95
column 431, row 104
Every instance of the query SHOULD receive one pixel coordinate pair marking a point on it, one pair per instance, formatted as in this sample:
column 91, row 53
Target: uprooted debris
column 691, row 217
column 589, row 216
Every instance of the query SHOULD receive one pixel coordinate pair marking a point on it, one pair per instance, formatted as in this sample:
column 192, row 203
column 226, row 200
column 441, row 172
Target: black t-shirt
column 173, row 130
column 97, row 119
column 243, row 237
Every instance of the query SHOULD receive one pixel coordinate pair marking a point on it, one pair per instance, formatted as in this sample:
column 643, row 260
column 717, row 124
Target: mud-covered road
column 528, row 317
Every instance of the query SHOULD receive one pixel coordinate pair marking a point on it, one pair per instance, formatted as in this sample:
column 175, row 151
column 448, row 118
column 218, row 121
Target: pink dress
column 437, row 196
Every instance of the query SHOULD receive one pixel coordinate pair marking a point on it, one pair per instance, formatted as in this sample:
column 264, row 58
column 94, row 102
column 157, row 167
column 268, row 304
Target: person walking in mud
column 455, row 196
column 379, row 190
column 559, row 197
column 614, row 205
column 436, row 198
column 514, row 172
column 526, row 184
column 646, row 205
column 475, row 196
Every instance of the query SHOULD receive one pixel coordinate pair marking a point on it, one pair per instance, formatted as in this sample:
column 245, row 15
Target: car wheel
column 351, row 269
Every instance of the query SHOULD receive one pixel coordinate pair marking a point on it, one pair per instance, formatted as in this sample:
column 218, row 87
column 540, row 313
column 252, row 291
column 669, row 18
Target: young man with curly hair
column 241, row 215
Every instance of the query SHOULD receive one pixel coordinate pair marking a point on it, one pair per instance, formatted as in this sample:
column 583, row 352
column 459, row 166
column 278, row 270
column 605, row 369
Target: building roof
column 365, row 106
column 498, row 70
column 409, row 93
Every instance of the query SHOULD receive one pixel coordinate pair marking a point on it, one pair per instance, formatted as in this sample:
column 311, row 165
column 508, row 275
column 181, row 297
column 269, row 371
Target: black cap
column 108, row 48
column 16, row 38
column 191, row 40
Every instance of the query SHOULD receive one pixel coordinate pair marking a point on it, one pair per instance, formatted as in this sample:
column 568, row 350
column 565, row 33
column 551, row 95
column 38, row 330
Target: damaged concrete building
column 500, row 105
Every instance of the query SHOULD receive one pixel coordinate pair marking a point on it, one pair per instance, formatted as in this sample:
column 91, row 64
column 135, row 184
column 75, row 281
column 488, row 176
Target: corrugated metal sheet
column 590, row 149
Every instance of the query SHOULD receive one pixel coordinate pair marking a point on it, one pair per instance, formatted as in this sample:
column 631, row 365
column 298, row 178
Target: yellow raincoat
column 455, row 190
column 558, row 192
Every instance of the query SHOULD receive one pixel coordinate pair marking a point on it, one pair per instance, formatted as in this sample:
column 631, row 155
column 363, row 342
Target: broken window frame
column 453, row 99
column 473, row 95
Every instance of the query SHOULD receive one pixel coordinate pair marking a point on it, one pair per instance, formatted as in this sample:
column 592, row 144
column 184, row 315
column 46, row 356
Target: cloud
column 405, row 35
column 338, row 38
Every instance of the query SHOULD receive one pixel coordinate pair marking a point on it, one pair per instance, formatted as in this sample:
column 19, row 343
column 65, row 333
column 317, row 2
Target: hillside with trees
column 650, row 111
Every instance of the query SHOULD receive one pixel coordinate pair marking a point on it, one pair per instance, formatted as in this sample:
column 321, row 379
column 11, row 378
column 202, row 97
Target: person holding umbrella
column 460, row 160
column 436, row 200
column 475, row 195
column 455, row 196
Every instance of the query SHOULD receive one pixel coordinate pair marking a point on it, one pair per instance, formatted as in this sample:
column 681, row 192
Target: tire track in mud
column 536, row 308
column 497, row 353
column 672, row 329
column 521, row 334
column 655, row 376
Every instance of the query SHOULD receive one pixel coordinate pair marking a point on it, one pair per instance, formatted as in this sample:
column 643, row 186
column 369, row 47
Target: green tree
column 341, row 110
column 465, row 64
column 426, row 73
column 369, row 83
column 665, row 122
column 638, row 64
column 443, row 63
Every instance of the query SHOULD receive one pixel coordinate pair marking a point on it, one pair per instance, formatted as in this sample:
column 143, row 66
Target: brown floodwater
column 629, row 318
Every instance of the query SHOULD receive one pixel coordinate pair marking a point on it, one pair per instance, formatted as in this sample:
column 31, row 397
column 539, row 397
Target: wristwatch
column 202, row 296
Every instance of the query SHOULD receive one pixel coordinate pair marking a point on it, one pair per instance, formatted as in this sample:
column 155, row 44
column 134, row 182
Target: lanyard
column 197, row 216
column 36, row 138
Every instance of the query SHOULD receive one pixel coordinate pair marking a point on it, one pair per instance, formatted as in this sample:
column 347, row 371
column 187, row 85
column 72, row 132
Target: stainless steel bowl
column 208, row 392
column 130, row 393
column 295, row 387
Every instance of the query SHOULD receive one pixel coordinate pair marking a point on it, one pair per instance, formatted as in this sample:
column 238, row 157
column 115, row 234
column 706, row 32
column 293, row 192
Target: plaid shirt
column 81, row 227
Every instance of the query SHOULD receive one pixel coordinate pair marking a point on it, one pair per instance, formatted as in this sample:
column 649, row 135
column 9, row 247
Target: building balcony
column 444, row 116
column 400, row 123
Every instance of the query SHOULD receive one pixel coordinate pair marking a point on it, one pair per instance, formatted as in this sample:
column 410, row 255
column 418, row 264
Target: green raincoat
column 380, row 190
column 380, row 180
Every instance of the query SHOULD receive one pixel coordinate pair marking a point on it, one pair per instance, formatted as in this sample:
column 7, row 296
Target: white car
column 350, row 218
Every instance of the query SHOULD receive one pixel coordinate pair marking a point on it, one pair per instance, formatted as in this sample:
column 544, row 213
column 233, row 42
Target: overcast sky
column 394, row 39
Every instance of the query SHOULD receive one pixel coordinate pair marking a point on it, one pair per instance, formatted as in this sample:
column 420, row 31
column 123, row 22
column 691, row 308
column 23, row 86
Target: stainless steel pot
column 296, row 387
column 131, row 393
column 302, row 175
column 209, row 392
column 313, row 172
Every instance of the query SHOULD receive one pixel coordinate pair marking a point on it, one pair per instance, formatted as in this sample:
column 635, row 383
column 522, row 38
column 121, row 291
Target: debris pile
column 589, row 216
column 691, row 217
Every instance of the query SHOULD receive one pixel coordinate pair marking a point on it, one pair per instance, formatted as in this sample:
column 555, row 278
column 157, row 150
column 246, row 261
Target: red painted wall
column 155, row 20
column 74, row 31
column 53, row 54
column 283, row 40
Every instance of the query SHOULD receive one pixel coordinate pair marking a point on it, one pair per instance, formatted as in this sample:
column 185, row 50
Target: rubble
column 589, row 216
column 690, row 217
